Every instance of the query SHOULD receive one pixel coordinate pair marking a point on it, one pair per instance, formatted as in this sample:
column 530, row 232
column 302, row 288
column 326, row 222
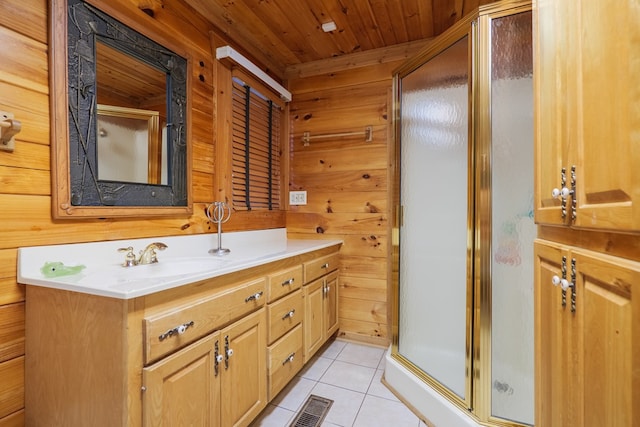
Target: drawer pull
column 179, row 330
column 325, row 265
column 254, row 297
column 289, row 358
column 288, row 282
column 289, row 314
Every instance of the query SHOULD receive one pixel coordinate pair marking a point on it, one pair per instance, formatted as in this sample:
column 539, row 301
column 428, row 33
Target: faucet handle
column 159, row 245
column 129, row 258
column 148, row 255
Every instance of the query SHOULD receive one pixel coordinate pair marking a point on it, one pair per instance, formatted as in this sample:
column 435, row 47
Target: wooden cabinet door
column 556, row 103
column 313, row 318
column 243, row 385
column 330, row 304
column 608, row 179
column 609, row 297
column 587, row 80
column 558, row 395
column 183, row 389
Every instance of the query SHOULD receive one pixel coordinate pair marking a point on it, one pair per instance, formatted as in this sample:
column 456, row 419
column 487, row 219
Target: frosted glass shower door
column 512, row 218
column 434, row 239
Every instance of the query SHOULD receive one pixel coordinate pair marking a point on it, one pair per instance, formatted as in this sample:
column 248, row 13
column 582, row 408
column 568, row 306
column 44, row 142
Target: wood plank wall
column 25, row 193
column 347, row 178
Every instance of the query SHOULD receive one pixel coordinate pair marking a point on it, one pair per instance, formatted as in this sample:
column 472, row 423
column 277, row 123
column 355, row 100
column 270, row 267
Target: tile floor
column 349, row 374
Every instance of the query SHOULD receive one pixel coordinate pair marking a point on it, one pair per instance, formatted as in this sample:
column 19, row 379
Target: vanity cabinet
column 217, row 381
column 587, row 337
column 320, row 303
column 208, row 353
column 587, row 75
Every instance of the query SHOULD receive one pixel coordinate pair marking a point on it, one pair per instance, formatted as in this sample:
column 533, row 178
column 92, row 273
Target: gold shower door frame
column 478, row 387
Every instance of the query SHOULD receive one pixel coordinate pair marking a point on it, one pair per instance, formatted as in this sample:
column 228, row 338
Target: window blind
column 256, row 127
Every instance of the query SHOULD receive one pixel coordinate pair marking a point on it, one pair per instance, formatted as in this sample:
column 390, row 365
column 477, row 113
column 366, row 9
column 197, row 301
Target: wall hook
column 8, row 129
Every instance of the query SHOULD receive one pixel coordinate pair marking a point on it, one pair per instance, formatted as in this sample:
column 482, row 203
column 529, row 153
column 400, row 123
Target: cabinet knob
column 289, row 358
column 325, row 265
column 254, row 297
column 289, row 314
column 288, row 282
column 229, row 352
column 561, row 193
column 219, row 358
column 564, row 283
column 178, row 330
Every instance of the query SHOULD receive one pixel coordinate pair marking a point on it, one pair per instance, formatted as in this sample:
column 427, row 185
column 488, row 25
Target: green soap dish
column 57, row 269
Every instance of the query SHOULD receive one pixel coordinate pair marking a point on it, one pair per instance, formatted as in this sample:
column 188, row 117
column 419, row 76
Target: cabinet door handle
column 289, row 314
column 288, row 282
column 325, row 265
column 254, row 297
column 228, row 352
column 218, row 358
column 289, row 358
column 178, row 330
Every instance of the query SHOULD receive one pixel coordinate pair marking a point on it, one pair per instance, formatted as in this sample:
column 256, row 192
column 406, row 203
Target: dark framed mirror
column 119, row 131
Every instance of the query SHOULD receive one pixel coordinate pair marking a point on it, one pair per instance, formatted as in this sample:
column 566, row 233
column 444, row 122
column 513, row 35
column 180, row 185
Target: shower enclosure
column 463, row 315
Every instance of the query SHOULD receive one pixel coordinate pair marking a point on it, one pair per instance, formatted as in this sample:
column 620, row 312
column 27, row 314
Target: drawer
column 198, row 318
column 284, row 315
column 284, row 360
column 284, row 282
column 321, row 266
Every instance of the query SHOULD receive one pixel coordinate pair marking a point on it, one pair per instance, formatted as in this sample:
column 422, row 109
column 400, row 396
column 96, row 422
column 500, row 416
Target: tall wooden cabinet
column 587, row 205
column 587, row 76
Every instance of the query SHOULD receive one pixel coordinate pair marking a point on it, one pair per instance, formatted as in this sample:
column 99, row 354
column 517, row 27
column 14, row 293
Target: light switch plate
column 297, row 197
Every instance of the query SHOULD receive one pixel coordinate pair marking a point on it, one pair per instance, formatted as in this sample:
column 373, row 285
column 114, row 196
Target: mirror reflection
column 131, row 118
column 131, row 145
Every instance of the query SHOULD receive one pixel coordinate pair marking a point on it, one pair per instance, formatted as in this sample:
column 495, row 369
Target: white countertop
column 185, row 260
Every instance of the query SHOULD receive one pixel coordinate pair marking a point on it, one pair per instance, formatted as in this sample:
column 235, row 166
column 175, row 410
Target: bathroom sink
column 171, row 267
column 162, row 270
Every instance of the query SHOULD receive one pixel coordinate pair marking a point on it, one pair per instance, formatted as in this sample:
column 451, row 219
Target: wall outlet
column 297, row 197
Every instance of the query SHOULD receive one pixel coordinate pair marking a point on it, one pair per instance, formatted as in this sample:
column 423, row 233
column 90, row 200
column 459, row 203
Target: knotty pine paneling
column 29, row 106
column 27, row 67
column 344, row 79
column 12, row 391
column 11, row 331
column 28, row 155
column 321, row 200
column 346, row 180
column 8, row 260
column 337, row 224
column 15, row 419
column 24, row 181
column 346, row 159
column 361, row 288
column 11, row 292
column 26, row 17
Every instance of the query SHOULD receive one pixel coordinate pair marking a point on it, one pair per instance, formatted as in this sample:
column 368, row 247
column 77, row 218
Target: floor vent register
column 313, row 412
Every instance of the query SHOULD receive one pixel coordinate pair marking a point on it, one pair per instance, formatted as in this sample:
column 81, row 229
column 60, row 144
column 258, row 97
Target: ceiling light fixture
column 327, row 27
column 230, row 54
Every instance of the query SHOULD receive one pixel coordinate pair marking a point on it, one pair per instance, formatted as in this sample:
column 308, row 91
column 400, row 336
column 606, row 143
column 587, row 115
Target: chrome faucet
column 148, row 254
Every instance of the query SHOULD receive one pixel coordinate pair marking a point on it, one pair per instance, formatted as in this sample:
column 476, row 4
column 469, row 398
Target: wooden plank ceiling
column 284, row 33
